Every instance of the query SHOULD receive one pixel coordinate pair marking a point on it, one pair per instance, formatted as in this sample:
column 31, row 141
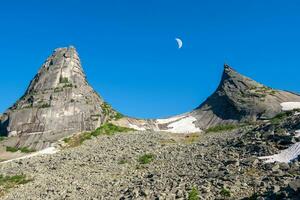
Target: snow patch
column 286, row 106
column 169, row 120
column 47, row 151
column 185, row 125
column 137, row 127
column 285, row 156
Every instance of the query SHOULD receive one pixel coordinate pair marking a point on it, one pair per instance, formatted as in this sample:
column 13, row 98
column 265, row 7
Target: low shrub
column 22, row 149
column 26, row 150
column 225, row 192
column 105, row 129
column 8, row 182
column 193, row 194
column 118, row 116
column 45, row 105
column 224, row 127
column 63, row 80
column 146, row 158
column 110, row 129
column 279, row 117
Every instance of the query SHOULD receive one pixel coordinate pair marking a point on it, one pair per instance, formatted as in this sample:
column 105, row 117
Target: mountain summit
column 58, row 102
column 240, row 99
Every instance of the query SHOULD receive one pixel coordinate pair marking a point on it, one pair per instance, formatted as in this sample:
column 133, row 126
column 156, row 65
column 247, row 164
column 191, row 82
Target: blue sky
column 129, row 54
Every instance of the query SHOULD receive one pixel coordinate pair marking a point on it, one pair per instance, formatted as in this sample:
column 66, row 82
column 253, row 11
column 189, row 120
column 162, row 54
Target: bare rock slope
column 58, row 102
column 241, row 99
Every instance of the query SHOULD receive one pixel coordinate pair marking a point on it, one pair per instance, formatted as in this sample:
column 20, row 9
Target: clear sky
column 129, row 53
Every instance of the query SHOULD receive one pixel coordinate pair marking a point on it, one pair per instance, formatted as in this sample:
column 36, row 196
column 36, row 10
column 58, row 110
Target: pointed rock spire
column 239, row 98
column 57, row 103
column 61, row 67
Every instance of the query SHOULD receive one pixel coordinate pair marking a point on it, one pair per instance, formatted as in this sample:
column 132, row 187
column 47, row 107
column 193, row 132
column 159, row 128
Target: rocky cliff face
column 240, row 99
column 58, row 102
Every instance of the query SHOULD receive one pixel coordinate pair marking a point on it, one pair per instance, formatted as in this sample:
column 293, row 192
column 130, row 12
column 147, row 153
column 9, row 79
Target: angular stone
column 295, row 185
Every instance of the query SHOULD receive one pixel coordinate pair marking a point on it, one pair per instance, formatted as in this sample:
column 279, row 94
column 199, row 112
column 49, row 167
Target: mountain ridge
column 59, row 98
column 225, row 148
column 237, row 99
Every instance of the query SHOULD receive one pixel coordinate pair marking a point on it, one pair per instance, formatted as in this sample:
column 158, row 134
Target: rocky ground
column 222, row 165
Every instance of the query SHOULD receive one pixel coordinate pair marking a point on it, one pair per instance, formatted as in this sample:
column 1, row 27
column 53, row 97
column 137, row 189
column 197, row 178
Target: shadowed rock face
column 240, row 99
column 57, row 103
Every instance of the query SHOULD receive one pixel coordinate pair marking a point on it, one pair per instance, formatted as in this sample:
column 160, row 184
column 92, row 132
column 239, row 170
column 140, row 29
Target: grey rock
column 295, row 185
column 240, row 99
column 58, row 102
column 275, row 188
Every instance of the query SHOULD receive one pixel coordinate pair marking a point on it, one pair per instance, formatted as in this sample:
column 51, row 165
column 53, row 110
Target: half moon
column 179, row 42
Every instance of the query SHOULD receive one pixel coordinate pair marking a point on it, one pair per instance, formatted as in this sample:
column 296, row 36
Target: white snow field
column 184, row 125
column 47, row 151
column 168, row 120
column 284, row 156
column 136, row 127
column 286, row 106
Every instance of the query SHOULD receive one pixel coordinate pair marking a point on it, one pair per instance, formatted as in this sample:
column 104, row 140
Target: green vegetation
column 219, row 128
column 105, row 129
column 191, row 138
column 258, row 92
column 225, row 193
column 106, row 108
column 12, row 149
column 118, row 116
column 44, row 105
column 123, row 161
column 27, row 106
column 57, row 89
column 8, row 182
column 193, row 194
column 2, row 137
column 279, row 117
column 109, row 129
column 109, row 111
column 63, row 79
column 26, row 150
column 22, row 149
column 67, row 140
column 68, row 85
column 146, row 158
